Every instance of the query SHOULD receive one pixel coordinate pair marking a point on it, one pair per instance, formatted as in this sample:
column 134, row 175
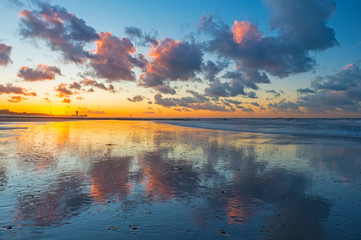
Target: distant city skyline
column 263, row 58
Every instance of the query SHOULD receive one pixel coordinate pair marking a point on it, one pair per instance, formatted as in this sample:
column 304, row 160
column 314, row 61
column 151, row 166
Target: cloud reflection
column 216, row 180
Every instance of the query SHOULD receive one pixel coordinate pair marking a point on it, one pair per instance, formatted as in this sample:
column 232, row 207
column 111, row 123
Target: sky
column 205, row 58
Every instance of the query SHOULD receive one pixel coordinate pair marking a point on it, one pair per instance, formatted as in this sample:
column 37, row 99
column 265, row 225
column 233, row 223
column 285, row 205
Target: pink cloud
column 112, row 59
column 244, row 31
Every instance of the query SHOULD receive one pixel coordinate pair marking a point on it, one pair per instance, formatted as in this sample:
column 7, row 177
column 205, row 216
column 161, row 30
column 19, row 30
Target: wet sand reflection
column 104, row 176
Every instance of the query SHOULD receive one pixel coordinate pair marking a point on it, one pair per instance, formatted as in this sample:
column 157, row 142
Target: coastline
column 345, row 128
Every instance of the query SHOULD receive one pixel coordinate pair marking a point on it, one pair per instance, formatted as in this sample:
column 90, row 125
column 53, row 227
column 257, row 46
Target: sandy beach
column 156, row 180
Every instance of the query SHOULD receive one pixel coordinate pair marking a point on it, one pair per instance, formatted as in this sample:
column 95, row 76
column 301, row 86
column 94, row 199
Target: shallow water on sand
column 148, row 180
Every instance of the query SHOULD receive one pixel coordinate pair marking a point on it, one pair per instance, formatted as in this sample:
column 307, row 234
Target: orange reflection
column 109, row 178
column 155, row 178
column 236, row 214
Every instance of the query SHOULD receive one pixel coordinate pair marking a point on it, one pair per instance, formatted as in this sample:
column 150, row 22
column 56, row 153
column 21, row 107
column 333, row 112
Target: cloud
column 66, row 100
column 349, row 77
column 93, row 83
column 304, row 22
column 195, row 102
column 236, row 85
column 324, row 101
column 301, row 27
column 9, row 88
column 256, row 104
column 16, row 99
column 141, row 37
column 42, row 72
column 285, row 106
column 305, row 91
column 211, row 69
column 270, row 54
column 340, row 91
column 136, row 98
column 112, row 59
column 249, row 110
column 275, row 93
column 172, row 60
column 75, row 85
column 5, row 52
column 244, row 32
column 61, row 30
column 63, row 90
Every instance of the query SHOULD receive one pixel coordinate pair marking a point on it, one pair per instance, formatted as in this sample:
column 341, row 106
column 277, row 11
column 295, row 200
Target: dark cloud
column 304, row 22
column 226, row 89
column 324, row 101
column 113, row 60
column 340, row 91
column 302, row 27
column 253, row 52
column 9, row 88
column 75, row 85
column 195, row 102
column 141, row 37
column 136, row 98
column 210, row 69
column 275, row 93
column 348, row 78
column 172, row 61
column 5, row 52
column 93, row 83
column 42, row 72
column 285, row 106
column 62, row 30
column 236, row 85
column 232, row 101
column 256, row 104
column 252, row 95
column 249, row 110
column 248, row 79
column 305, row 91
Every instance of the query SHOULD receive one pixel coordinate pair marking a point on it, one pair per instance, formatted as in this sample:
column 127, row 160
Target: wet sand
column 151, row 180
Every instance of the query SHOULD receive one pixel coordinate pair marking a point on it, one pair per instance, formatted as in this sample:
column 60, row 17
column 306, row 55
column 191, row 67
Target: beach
column 211, row 179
